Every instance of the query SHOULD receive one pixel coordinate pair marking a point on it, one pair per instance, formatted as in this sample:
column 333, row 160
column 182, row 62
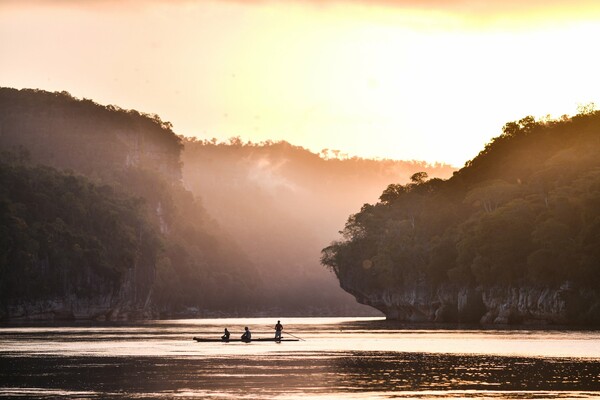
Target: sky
column 430, row 80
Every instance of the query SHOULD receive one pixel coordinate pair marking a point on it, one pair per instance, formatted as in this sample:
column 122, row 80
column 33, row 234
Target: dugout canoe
column 207, row 340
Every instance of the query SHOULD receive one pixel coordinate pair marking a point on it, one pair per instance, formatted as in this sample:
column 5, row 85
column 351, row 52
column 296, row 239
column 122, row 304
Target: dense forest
column 517, row 230
column 115, row 203
column 105, row 216
column 58, row 225
column 281, row 202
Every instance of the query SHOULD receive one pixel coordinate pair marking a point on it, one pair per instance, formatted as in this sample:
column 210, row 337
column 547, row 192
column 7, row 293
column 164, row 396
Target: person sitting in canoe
column 247, row 336
column 278, row 329
column 225, row 336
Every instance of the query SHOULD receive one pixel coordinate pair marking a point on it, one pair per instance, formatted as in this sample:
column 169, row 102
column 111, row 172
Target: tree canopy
column 523, row 212
column 116, row 195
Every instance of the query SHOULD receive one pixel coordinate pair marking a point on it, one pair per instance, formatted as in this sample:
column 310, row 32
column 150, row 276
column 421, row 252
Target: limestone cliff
column 512, row 237
column 424, row 302
column 129, row 298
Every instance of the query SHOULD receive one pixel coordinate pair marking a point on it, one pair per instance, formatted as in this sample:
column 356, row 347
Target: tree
column 419, row 177
column 523, row 212
column 392, row 192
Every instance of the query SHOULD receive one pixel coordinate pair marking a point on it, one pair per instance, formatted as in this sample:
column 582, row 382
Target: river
column 337, row 358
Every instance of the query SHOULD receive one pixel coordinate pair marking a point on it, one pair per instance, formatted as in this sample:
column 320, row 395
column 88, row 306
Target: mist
column 282, row 204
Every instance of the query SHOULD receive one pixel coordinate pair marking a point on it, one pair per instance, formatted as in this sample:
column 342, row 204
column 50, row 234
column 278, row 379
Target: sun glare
column 415, row 90
column 370, row 80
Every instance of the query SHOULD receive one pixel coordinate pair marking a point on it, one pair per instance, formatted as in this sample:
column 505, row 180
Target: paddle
column 287, row 333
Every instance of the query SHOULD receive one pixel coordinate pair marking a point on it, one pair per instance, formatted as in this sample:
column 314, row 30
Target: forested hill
column 281, row 202
column 98, row 141
column 118, row 171
column 514, row 236
column 100, row 221
column 62, row 237
column 278, row 176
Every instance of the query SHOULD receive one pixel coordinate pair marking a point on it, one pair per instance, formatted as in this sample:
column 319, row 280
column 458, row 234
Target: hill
column 200, row 228
column 137, row 157
column 512, row 237
column 280, row 202
column 63, row 238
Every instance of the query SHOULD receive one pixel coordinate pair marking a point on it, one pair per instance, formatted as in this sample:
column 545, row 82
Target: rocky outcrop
column 125, row 301
column 424, row 302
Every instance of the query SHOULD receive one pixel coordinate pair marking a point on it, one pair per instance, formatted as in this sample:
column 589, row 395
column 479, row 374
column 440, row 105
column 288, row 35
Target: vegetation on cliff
column 60, row 130
column 63, row 235
column 122, row 153
column 525, row 211
column 269, row 205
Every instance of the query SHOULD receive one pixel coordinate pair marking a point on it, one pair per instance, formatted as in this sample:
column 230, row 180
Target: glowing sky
column 430, row 80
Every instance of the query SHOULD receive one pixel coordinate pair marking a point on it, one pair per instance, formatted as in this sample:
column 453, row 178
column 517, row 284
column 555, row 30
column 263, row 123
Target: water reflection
column 391, row 372
column 299, row 374
column 338, row 359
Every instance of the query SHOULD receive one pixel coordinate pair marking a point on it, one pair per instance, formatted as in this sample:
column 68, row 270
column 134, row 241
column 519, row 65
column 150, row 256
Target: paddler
column 247, row 336
column 278, row 329
column 225, row 336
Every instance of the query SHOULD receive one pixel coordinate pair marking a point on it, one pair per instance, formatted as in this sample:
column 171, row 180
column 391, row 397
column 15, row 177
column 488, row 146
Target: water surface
column 360, row 358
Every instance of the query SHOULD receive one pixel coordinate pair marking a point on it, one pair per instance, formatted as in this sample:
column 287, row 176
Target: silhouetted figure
column 278, row 329
column 247, row 336
column 225, row 336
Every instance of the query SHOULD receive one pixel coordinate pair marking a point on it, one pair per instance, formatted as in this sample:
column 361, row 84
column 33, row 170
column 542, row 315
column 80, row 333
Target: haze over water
column 337, row 358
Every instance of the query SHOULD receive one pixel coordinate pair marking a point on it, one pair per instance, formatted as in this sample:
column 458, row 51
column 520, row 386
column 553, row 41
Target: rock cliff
column 512, row 237
column 128, row 299
column 425, row 302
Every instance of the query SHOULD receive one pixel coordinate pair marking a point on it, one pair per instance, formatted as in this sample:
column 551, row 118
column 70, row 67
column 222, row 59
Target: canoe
column 205, row 340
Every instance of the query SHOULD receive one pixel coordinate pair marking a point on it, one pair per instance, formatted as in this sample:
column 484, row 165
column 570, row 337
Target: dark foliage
column 524, row 211
column 117, row 151
column 61, row 235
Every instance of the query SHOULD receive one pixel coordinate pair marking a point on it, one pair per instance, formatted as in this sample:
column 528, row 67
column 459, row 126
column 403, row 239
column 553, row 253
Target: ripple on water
column 338, row 359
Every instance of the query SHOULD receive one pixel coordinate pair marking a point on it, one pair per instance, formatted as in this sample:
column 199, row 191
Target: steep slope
column 72, row 249
column 512, row 237
column 137, row 155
